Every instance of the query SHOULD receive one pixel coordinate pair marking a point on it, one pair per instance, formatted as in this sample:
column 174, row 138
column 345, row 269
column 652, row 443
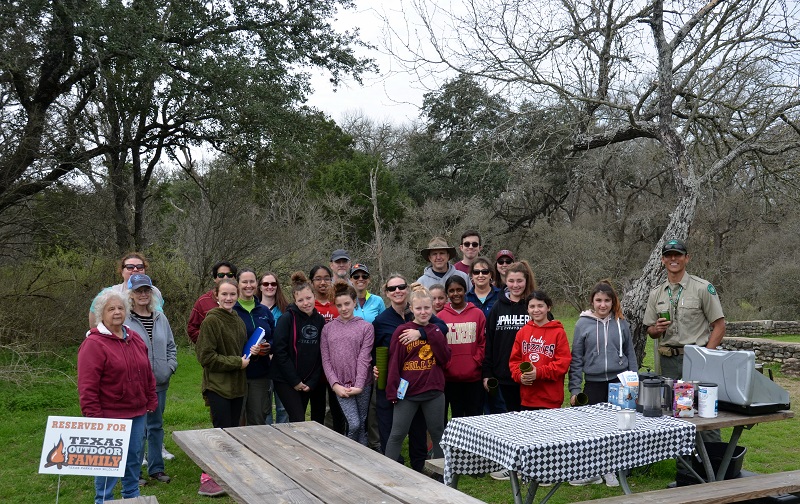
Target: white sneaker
column 165, row 454
column 589, row 481
column 611, row 480
column 503, row 475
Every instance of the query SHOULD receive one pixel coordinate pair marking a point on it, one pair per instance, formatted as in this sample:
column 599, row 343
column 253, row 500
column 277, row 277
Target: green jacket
column 219, row 351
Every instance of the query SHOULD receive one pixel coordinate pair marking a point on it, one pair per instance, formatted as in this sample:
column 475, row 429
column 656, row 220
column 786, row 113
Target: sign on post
column 85, row 446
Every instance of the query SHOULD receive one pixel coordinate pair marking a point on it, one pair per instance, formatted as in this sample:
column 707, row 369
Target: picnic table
column 726, row 419
column 558, row 445
column 306, row 462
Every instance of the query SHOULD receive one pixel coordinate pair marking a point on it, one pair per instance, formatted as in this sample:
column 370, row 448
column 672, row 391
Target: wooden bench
column 307, row 463
column 719, row 492
column 435, row 466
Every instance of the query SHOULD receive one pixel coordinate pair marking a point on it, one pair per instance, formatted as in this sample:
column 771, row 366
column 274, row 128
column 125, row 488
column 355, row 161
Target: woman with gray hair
column 115, row 381
column 156, row 332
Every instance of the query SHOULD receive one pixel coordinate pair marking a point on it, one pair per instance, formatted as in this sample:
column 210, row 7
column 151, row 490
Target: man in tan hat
column 439, row 254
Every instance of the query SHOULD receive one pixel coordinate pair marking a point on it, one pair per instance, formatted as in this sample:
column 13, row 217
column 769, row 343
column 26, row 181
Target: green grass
column 785, row 338
column 51, row 391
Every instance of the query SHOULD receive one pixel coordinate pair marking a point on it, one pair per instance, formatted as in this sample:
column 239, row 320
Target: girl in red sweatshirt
column 543, row 344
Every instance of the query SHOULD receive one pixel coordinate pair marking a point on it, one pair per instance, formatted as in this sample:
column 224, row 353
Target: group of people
column 473, row 336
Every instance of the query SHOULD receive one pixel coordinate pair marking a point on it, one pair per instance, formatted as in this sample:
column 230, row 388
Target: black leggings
column 296, row 402
column 224, row 412
column 598, row 391
column 511, row 396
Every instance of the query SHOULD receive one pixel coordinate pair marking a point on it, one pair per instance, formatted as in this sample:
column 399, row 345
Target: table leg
column 549, row 494
column 515, row 487
column 688, row 467
column 454, row 481
column 623, row 481
column 701, row 450
column 726, row 459
column 533, row 487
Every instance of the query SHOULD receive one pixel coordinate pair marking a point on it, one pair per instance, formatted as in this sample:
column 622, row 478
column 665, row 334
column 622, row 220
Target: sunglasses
column 223, row 275
column 392, row 288
column 269, row 284
column 481, row 272
column 471, row 244
column 134, row 267
column 504, row 261
column 360, row 277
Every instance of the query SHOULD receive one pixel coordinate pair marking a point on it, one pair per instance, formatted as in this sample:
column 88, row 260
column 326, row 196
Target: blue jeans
column 104, row 485
column 154, row 431
column 280, row 412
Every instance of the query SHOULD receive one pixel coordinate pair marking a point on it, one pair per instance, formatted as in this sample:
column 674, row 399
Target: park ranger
column 682, row 310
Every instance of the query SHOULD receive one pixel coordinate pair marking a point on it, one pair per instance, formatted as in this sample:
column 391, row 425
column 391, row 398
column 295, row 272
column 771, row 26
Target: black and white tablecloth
column 564, row 444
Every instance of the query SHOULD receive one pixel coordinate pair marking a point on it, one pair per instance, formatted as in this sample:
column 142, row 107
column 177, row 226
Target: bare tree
column 723, row 74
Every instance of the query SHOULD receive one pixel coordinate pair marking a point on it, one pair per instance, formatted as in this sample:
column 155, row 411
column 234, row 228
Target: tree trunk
column 373, row 188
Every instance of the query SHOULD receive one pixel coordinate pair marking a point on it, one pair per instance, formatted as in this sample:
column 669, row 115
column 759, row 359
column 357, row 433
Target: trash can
column 715, row 453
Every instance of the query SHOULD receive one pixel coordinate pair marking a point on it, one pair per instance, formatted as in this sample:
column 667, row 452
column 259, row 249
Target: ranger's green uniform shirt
column 691, row 313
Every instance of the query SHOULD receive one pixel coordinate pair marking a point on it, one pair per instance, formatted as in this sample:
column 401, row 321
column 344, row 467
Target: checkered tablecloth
column 564, row 444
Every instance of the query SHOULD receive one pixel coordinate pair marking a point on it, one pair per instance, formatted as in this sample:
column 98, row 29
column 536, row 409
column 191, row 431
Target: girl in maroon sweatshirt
column 421, row 363
column 466, row 337
column 543, row 344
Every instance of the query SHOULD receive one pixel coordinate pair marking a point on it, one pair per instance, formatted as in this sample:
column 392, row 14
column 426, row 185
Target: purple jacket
column 346, row 352
column 421, row 362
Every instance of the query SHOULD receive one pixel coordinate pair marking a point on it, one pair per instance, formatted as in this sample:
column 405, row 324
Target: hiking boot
column 210, row 489
column 160, row 476
column 503, row 475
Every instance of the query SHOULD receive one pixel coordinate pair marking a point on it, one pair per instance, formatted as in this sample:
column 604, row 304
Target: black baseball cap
column 674, row 246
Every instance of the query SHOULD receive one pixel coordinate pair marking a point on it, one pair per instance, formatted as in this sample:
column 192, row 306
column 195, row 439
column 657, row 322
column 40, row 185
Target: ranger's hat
column 674, row 246
column 438, row 243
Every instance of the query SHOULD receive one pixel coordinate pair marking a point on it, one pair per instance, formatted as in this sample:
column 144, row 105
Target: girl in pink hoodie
column 346, row 348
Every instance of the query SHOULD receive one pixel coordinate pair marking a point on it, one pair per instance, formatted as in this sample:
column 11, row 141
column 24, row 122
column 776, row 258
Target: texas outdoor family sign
column 85, row 446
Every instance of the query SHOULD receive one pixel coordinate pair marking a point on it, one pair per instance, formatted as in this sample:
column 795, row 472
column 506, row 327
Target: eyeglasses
column 392, row 288
column 504, row 261
column 269, row 284
column 471, row 244
column 360, row 277
column 223, row 275
column 481, row 272
column 321, row 279
column 134, row 267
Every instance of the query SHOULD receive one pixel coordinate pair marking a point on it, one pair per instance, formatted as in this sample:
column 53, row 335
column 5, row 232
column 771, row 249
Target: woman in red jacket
column 466, row 337
column 115, row 380
column 543, row 344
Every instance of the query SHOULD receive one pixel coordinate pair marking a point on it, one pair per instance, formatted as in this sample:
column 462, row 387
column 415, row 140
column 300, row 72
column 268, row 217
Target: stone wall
column 761, row 327
column 788, row 354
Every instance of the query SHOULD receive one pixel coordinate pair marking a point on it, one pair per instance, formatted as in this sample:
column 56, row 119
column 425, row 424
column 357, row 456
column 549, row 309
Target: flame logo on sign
column 56, row 456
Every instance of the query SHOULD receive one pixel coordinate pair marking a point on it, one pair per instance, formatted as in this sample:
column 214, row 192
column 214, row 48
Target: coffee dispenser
column 650, row 397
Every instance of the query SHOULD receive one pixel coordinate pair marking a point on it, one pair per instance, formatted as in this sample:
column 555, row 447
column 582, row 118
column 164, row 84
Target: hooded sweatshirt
column 547, row 348
column 601, row 349
column 502, row 324
column 115, row 379
column 421, row 362
column 161, row 348
column 466, row 337
column 296, row 347
column 346, row 352
column 257, row 316
column 219, row 351
column 429, row 278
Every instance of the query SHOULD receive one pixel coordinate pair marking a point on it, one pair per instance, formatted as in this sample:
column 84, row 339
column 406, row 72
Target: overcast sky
column 393, row 95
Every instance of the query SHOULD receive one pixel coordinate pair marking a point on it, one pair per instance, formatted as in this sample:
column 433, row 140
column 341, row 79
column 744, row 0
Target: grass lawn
column 45, row 385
